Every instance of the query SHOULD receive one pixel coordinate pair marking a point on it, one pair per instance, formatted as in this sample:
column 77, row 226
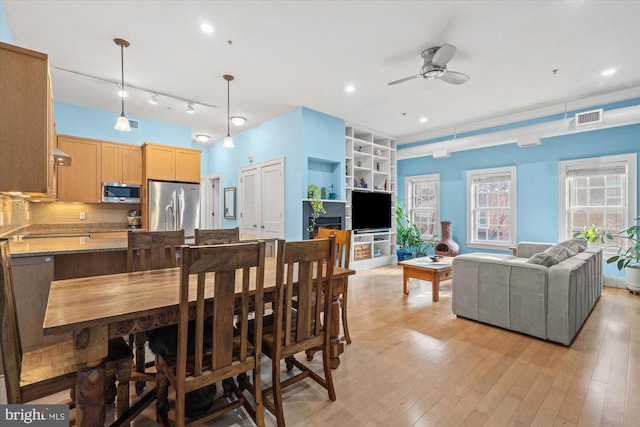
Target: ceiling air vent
column 589, row 118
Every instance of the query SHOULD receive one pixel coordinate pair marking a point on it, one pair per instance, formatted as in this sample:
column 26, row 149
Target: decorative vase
column 446, row 245
column 632, row 272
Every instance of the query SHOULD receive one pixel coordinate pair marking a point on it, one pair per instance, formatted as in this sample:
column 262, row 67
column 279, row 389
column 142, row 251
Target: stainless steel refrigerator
column 174, row 206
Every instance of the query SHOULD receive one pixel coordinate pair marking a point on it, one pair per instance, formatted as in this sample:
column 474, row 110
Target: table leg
column 337, row 346
column 405, row 281
column 435, row 287
column 90, row 404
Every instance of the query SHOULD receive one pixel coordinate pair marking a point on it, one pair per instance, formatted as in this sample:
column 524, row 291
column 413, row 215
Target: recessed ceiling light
column 350, row 88
column 608, row 72
column 206, row 28
column 121, row 92
column 238, row 120
column 423, row 119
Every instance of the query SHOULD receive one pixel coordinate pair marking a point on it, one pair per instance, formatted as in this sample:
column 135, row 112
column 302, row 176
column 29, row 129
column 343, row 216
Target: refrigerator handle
column 178, row 219
column 170, row 209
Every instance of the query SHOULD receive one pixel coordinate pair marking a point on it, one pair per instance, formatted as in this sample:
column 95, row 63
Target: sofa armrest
column 528, row 249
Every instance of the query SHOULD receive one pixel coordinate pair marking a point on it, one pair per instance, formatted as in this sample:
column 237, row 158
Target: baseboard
column 615, row 281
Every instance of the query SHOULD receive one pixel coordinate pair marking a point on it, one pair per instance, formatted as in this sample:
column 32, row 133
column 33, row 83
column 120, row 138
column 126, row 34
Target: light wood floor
column 413, row 363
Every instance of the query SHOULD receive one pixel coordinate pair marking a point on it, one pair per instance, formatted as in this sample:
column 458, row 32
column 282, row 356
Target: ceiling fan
column 435, row 66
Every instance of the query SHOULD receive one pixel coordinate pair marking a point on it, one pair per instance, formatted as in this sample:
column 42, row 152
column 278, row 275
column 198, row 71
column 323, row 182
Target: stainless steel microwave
column 115, row 192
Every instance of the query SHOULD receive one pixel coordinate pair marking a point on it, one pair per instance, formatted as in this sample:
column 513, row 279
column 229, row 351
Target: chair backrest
column 10, row 339
column 343, row 244
column 303, row 267
column 217, row 236
column 150, row 250
column 235, row 263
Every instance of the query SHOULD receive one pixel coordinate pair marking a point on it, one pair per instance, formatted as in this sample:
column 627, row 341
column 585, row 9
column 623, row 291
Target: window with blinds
column 423, row 202
column 491, row 196
column 598, row 192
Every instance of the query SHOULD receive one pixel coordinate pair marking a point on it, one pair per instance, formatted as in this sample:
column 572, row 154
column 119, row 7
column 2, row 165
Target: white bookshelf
column 370, row 163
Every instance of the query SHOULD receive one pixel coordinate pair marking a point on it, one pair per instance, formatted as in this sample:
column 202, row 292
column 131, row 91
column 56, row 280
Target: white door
column 249, row 200
column 211, row 196
column 262, row 199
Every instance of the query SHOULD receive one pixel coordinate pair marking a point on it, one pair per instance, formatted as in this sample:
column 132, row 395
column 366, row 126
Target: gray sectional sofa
column 546, row 290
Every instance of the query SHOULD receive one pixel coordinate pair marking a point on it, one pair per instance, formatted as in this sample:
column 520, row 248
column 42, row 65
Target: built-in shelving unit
column 370, row 163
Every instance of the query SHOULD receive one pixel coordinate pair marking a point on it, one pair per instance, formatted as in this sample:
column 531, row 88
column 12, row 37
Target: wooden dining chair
column 217, row 236
column 149, row 250
column 343, row 254
column 215, row 347
column 51, row 369
column 304, row 274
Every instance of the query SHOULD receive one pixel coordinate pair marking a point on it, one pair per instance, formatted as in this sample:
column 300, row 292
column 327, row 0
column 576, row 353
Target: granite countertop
column 65, row 245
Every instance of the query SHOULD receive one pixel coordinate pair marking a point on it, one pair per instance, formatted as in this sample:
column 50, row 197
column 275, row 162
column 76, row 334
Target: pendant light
column 122, row 124
column 228, row 141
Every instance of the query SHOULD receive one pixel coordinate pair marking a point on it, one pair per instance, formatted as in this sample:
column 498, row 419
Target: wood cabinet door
column 80, row 182
column 111, row 162
column 131, row 164
column 160, row 162
column 187, row 165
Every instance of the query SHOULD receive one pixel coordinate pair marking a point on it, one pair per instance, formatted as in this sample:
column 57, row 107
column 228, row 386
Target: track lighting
column 238, row 120
column 122, row 124
column 154, row 99
column 190, row 108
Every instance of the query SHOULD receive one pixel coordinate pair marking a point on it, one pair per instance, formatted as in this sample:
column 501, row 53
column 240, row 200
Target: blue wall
column 296, row 135
column 5, row 31
column 87, row 122
column 537, row 178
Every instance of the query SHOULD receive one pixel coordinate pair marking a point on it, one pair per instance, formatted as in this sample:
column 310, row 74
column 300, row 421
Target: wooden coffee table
column 424, row 269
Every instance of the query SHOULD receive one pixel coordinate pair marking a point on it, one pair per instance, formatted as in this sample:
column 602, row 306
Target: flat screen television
column 370, row 211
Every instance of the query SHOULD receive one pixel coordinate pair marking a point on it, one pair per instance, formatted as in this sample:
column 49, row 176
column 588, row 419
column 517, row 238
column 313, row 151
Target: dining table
column 95, row 309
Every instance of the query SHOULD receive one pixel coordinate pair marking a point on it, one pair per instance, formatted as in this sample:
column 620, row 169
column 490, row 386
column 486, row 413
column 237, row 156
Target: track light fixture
column 190, row 108
column 228, row 141
column 154, row 99
column 122, row 124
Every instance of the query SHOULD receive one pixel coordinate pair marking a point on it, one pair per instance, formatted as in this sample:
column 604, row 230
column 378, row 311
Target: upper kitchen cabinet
column 81, row 181
column 27, row 135
column 167, row 163
column 121, row 163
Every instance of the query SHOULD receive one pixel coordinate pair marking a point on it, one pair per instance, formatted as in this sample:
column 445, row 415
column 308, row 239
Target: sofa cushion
column 559, row 252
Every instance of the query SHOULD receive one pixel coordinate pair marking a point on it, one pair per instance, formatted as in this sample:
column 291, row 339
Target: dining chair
column 217, row 236
column 149, row 250
column 343, row 254
column 304, row 274
column 215, row 347
column 50, row 369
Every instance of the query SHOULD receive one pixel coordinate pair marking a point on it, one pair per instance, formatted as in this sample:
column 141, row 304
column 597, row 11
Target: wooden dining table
column 96, row 308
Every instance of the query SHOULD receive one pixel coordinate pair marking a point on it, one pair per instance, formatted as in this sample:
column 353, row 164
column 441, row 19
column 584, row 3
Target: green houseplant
column 317, row 208
column 408, row 235
column 628, row 257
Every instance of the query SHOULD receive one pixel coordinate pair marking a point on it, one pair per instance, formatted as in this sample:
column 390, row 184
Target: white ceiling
column 286, row 54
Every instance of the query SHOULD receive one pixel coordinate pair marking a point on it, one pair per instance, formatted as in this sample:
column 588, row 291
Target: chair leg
column 326, row 363
column 277, row 393
column 343, row 304
column 123, row 376
column 162, row 398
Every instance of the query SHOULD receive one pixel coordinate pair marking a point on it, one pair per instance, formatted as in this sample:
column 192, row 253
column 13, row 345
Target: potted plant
column 317, row 208
column 408, row 235
column 627, row 258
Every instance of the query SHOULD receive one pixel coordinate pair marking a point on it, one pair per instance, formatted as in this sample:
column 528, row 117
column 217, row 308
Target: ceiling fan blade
column 403, row 80
column 454, row 77
column 443, row 55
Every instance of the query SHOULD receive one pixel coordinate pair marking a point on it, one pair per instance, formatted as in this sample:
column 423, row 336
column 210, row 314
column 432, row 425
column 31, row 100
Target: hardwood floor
column 413, row 363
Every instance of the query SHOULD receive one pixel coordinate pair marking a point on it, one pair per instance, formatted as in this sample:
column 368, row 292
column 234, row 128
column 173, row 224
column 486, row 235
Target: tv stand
column 370, row 163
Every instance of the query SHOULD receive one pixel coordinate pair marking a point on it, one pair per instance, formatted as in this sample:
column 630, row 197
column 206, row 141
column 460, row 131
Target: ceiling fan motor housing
column 431, row 72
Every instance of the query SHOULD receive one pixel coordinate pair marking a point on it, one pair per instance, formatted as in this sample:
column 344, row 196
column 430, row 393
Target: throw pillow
column 557, row 253
column 543, row 258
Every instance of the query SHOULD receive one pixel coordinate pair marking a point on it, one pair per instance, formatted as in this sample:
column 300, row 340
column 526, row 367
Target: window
column 491, row 200
column 599, row 192
column 423, row 202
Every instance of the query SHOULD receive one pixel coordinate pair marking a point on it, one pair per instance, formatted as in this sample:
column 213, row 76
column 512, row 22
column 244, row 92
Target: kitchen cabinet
column 27, row 134
column 167, row 163
column 81, row 181
column 121, row 163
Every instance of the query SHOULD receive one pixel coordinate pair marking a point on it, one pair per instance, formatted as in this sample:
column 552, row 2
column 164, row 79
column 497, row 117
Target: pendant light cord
column 122, row 75
column 228, row 133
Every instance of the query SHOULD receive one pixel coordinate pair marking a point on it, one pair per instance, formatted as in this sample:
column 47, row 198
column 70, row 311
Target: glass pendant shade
column 228, row 142
column 122, row 124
